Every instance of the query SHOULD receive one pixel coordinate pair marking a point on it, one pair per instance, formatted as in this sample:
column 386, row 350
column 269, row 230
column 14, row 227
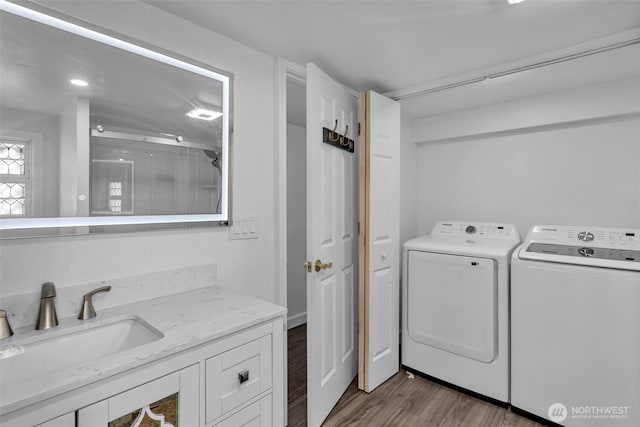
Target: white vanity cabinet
column 236, row 379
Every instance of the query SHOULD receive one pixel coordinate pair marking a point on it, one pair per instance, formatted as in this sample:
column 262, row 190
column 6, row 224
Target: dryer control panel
column 476, row 229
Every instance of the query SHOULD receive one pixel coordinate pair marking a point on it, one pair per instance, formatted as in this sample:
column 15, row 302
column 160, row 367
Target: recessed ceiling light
column 202, row 114
column 514, row 1
column 78, row 82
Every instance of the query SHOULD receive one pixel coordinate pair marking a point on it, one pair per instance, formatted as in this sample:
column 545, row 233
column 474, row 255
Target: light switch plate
column 244, row 228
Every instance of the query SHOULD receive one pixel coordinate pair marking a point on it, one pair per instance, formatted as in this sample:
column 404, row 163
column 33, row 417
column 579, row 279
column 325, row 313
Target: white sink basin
column 63, row 347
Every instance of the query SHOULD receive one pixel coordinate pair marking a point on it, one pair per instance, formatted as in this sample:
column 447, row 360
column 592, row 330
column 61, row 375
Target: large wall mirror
column 100, row 134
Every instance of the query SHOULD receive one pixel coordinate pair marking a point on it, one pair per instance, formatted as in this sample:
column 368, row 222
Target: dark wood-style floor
column 400, row 401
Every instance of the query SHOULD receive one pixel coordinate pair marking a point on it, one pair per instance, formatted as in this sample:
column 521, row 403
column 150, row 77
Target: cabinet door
column 67, row 420
column 169, row 401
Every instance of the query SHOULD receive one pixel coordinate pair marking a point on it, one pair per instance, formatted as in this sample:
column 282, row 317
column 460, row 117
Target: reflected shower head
column 214, row 156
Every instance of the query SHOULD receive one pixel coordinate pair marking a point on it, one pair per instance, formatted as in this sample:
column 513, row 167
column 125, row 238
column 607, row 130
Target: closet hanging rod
column 515, row 70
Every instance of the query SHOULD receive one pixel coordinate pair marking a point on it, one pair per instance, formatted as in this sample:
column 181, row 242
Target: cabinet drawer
column 68, row 420
column 257, row 414
column 236, row 376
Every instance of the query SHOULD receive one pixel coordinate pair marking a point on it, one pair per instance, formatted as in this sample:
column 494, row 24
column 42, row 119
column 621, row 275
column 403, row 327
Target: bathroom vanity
column 206, row 357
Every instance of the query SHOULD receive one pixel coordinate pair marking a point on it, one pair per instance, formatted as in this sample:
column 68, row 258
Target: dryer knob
column 585, row 236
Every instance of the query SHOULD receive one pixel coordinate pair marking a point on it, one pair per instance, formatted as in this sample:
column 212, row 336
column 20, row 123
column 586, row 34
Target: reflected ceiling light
column 514, row 1
column 79, row 82
column 202, row 114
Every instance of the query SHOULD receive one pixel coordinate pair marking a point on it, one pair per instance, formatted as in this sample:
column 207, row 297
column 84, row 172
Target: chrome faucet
column 5, row 327
column 47, row 317
column 87, row 311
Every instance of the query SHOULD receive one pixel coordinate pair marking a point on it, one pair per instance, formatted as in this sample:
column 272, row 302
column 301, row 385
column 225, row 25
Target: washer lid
column 591, row 246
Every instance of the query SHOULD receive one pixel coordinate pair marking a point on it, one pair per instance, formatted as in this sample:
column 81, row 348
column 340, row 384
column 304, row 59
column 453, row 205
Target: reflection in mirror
column 96, row 132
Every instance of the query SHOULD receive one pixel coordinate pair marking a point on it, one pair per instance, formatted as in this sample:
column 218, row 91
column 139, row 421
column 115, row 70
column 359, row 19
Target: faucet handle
column 47, row 317
column 88, row 311
column 48, row 290
column 5, row 327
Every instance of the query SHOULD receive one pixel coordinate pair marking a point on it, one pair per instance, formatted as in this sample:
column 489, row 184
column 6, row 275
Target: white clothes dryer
column 455, row 305
column 575, row 325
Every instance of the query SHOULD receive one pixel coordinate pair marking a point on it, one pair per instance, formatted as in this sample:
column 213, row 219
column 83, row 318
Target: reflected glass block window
column 12, row 198
column 12, row 158
column 115, row 189
column 112, row 187
column 14, row 178
column 115, row 205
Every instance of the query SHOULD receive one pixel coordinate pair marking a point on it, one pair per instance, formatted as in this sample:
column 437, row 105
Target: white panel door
column 332, row 360
column 380, row 242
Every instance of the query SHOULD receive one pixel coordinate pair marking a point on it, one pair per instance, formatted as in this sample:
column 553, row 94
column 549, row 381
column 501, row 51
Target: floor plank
column 400, row 401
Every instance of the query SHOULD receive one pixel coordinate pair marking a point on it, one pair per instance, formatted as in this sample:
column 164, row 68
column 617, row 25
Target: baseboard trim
column 296, row 320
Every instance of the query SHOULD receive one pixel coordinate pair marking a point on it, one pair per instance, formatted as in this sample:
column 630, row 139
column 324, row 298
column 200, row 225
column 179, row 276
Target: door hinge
column 358, row 128
column 358, row 228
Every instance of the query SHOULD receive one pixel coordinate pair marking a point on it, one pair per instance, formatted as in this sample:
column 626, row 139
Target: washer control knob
column 585, row 236
column 586, row 252
column 470, row 229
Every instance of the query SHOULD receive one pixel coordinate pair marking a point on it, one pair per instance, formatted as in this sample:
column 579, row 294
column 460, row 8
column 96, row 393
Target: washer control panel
column 616, row 254
column 476, row 229
column 594, row 237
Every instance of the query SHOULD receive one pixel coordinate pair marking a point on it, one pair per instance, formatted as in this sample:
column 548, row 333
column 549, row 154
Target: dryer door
column 452, row 303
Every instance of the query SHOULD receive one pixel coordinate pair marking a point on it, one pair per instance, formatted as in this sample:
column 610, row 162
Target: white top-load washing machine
column 455, row 305
column 575, row 325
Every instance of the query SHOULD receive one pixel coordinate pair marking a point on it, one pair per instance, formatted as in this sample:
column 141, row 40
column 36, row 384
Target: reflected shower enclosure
column 132, row 177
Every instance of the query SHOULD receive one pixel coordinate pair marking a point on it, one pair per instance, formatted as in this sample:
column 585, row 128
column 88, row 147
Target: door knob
column 308, row 265
column 321, row 266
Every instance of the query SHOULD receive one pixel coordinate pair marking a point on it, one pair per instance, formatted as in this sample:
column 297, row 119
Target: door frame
column 284, row 71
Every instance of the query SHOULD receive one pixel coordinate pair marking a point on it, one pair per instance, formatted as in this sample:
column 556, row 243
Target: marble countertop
column 186, row 319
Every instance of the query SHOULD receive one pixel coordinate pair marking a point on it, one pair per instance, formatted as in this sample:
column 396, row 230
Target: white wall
column 296, row 225
column 580, row 168
column 408, row 182
column 595, row 102
column 247, row 265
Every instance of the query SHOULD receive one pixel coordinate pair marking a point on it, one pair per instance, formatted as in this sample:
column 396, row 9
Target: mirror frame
column 153, row 54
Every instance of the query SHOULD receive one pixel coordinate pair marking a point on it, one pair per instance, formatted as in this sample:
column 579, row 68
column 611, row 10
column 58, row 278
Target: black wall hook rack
column 333, row 138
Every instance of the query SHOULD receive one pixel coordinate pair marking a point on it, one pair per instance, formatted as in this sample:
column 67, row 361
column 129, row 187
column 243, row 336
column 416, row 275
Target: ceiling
column 389, row 46
column 125, row 90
